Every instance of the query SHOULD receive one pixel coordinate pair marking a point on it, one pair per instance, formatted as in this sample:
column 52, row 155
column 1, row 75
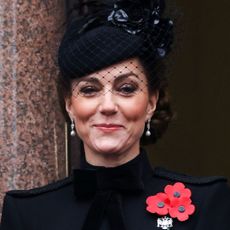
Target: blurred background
column 197, row 142
column 34, row 145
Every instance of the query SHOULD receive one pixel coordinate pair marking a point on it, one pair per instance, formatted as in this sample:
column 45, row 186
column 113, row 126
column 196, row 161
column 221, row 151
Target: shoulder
column 200, row 185
column 34, row 205
column 188, row 179
column 50, row 188
column 206, row 190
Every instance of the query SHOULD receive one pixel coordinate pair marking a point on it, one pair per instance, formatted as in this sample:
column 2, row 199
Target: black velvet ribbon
column 105, row 187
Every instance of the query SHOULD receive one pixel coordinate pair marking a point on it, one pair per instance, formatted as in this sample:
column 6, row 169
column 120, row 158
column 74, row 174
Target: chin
column 108, row 149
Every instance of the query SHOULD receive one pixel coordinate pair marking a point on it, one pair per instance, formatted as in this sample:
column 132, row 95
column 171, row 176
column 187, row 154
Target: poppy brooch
column 175, row 202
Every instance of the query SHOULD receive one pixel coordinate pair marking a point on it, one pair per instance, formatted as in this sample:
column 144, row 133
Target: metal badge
column 165, row 223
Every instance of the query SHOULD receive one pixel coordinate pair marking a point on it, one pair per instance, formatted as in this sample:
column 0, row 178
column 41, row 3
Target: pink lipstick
column 108, row 127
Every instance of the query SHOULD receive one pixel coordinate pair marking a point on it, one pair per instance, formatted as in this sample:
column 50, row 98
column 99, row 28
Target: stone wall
column 32, row 128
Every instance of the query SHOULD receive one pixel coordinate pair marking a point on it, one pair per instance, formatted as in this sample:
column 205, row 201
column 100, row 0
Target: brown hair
column 158, row 81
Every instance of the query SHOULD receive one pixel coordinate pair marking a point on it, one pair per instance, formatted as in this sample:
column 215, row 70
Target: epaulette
column 41, row 190
column 170, row 175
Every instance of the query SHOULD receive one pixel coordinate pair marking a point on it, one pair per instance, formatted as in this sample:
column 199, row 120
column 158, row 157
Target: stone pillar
column 32, row 128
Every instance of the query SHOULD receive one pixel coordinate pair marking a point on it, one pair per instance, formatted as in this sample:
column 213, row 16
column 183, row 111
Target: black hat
column 115, row 31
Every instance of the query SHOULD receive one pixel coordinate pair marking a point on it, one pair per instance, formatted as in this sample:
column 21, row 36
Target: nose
column 108, row 105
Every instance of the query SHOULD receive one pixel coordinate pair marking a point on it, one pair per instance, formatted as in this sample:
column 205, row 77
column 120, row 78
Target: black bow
column 123, row 179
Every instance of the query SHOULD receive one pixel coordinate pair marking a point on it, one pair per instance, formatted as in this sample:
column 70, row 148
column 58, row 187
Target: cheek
column 135, row 109
column 83, row 109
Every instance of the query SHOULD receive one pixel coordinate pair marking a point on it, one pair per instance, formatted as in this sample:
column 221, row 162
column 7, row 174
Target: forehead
column 128, row 66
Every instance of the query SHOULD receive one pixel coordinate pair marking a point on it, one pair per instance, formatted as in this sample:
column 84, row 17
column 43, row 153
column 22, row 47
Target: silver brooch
column 165, row 223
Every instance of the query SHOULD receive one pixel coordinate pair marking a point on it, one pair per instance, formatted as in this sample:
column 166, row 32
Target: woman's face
column 110, row 108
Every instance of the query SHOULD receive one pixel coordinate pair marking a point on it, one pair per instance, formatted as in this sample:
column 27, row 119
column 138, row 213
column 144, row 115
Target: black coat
column 101, row 198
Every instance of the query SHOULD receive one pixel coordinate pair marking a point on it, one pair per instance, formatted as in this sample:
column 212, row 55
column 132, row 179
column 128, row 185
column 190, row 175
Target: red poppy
column 181, row 209
column 175, row 201
column 177, row 191
column 158, row 204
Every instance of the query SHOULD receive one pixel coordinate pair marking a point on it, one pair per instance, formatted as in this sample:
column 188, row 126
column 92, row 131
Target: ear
column 68, row 107
column 153, row 99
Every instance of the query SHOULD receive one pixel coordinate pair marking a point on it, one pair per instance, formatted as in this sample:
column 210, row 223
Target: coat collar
column 106, row 185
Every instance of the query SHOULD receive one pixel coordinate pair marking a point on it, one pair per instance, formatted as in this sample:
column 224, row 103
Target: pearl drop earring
column 148, row 133
column 72, row 131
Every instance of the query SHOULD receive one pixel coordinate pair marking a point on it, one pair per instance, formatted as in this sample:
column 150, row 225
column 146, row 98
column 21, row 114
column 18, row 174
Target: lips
column 109, row 127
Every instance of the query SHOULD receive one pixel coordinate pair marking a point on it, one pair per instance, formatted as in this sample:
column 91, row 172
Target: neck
column 110, row 159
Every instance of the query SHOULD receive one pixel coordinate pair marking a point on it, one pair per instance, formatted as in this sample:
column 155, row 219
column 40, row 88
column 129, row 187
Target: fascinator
column 111, row 31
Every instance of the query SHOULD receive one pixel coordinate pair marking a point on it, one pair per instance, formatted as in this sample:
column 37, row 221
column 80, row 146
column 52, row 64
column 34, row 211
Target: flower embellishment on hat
column 119, row 17
column 175, row 202
column 137, row 19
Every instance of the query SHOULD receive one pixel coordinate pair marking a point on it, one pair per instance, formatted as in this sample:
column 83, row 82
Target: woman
column 112, row 84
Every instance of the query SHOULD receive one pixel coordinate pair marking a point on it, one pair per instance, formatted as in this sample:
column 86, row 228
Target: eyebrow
column 88, row 79
column 125, row 75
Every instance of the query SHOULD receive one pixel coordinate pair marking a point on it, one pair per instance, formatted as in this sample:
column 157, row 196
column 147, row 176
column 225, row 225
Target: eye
column 127, row 89
column 88, row 91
